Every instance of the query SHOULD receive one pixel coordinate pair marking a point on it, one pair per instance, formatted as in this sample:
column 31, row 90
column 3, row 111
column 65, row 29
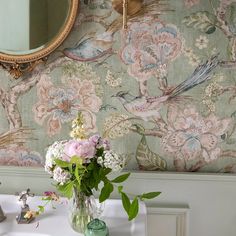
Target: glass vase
column 81, row 211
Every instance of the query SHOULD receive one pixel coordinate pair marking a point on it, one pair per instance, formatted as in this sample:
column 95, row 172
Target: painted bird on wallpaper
column 100, row 45
column 91, row 49
column 148, row 107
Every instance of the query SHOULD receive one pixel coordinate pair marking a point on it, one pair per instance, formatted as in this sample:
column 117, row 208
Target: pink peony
column 99, row 142
column 95, row 139
column 83, row 148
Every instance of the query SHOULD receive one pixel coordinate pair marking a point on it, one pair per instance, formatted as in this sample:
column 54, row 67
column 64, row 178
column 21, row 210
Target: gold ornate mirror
column 31, row 29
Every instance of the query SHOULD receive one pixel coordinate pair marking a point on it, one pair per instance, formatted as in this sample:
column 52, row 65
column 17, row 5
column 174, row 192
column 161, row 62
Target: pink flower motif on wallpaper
column 58, row 105
column 191, row 3
column 191, row 136
column 149, row 45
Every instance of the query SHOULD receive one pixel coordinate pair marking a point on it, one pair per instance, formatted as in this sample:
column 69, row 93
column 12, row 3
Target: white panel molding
column 13, row 178
column 180, row 225
column 186, row 176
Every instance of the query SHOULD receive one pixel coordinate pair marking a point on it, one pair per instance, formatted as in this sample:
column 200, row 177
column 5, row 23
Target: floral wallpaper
column 164, row 90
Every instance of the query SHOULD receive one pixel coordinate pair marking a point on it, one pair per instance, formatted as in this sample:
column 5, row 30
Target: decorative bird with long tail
column 148, row 107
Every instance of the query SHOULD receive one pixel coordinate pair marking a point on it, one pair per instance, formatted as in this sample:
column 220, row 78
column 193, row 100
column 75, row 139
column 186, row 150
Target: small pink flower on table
column 52, row 195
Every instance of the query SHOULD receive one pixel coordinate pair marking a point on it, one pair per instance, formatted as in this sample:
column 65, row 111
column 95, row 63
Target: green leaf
column 103, row 172
column 121, row 178
column 106, row 171
column 41, row 209
column 66, row 189
column 106, row 192
column 77, row 176
column 149, row 195
column 84, row 188
column 120, row 188
column 61, row 163
column 125, row 202
column 76, row 160
column 99, row 152
column 91, row 166
column 96, row 176
column 147, row 159
column 134, row 208
column 46, row 198
column 201, row 20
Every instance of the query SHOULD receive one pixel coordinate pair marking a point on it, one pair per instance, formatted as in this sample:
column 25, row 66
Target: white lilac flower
column 55, row 151
column 100, row 161
column 113, row 161
column 61, row 176
column 201, row 42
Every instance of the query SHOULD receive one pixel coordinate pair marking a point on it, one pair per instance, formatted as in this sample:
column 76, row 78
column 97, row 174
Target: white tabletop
column 54, row 222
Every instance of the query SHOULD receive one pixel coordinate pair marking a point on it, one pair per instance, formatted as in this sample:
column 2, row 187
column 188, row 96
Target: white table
column 54, row 222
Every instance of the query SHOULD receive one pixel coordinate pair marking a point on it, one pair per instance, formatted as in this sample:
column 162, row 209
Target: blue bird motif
column 92, row 48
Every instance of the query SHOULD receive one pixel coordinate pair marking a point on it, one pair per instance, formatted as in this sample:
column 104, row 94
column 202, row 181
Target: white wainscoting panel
column 168, row 221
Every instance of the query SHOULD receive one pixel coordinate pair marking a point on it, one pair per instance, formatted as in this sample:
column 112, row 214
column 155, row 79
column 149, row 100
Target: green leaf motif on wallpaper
column 201, row 20
column 147, row 159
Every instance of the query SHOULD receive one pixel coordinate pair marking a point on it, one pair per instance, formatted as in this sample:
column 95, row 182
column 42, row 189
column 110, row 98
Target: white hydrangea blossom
column 100, row 161
column 60, row 175
column 113, row 161
column 55, row 151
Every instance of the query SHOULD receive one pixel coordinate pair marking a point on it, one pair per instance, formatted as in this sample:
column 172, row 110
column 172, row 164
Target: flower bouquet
column 81, row 166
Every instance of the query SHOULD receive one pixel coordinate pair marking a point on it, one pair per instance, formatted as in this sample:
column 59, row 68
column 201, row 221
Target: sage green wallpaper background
column 164, row 90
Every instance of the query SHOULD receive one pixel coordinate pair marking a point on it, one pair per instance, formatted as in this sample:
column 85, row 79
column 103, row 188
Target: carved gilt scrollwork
column 16, row 70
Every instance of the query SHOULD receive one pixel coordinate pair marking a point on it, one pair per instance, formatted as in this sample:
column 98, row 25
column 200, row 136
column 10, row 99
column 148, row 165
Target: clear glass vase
column 82, row 210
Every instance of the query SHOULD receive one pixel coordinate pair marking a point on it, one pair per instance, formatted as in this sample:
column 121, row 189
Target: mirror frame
column 17, row 65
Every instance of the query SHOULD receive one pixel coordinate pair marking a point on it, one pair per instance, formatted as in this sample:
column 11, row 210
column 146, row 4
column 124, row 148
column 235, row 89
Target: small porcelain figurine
column 23, row 196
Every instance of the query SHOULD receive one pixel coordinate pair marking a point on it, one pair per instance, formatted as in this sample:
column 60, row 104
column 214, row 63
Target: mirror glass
column 27, row 26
